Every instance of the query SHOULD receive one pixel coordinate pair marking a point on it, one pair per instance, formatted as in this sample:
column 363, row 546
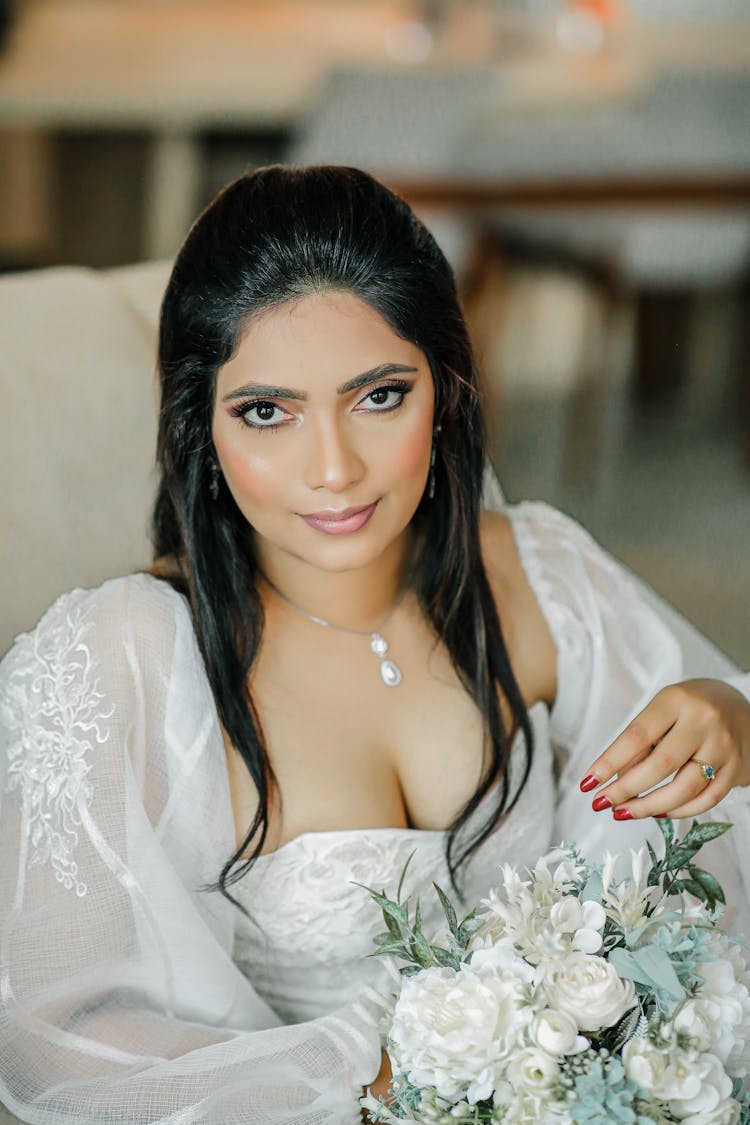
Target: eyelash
column 241, row 409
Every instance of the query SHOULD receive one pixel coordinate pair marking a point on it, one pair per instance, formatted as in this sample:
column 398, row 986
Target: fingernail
column 601, row 803
column 622, row 814
column 589, row 782
column 660, row 815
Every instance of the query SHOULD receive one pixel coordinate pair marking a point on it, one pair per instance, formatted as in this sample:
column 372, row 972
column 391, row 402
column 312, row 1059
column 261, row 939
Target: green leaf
column 445, row 959
column 421, row 949
column 666, row 827
column 468, row 928
column 680, row 856
column 448, row 910
column 650, row 966
column 710, row 886
column 391, row 909
column 700, row 834
column 394, row 929
column 403, row 875
column 594, row 890
column 624, row 1029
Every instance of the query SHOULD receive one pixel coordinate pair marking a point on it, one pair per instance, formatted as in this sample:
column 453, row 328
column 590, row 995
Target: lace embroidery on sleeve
column 54, row 713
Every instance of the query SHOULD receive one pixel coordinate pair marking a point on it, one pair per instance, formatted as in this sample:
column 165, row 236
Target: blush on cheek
column 411, row 454
column 248, row 477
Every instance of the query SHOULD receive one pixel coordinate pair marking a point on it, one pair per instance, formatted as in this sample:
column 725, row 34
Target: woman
column 336, row 660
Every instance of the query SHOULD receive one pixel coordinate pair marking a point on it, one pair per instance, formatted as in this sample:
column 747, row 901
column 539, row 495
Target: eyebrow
column 262, row 390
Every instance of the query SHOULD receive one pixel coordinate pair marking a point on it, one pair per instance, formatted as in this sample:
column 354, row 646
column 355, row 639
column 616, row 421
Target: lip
column 343, row 522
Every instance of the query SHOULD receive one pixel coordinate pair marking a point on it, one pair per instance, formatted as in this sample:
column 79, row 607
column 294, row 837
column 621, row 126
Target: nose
column 333, row 462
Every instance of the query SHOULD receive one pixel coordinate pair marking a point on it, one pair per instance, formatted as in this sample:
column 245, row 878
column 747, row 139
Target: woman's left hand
column 692, row 729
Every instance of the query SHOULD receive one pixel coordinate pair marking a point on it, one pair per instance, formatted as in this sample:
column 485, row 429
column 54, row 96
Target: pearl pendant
column 390, row 673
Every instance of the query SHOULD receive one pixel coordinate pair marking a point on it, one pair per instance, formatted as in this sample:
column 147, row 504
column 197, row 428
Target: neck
column 355, row 599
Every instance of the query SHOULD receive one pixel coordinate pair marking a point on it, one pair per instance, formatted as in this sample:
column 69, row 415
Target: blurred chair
column 77, row 432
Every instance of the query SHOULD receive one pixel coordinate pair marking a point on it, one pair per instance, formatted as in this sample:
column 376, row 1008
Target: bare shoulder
column 531, row 647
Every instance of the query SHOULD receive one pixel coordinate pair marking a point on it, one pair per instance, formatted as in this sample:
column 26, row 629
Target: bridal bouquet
column 569, row 996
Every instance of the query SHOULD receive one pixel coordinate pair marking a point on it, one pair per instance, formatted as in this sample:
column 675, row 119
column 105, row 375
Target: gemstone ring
column 706, row 768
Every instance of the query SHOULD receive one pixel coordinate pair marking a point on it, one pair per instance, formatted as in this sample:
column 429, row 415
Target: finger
column 713, row 792
column 634, row 742
column 657, row 767
column 688, row 790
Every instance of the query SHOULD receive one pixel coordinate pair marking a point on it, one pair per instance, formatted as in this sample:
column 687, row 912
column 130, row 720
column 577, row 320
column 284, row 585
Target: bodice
column 306, row 948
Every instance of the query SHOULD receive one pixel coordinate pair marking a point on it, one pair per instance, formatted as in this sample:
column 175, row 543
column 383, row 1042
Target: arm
column 120, row 998
column 618, row 645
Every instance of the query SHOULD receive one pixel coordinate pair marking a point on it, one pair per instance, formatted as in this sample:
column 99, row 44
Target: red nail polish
column 660, row 815
column 622, row 814
column 589, row 782
column 601, row 803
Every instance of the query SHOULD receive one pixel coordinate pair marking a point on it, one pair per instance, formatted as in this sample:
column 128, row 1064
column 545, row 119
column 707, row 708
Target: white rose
column 533, row 1071
column 456, row 1030
column 557, row 1033
column 588, row 989
column 644, row 1063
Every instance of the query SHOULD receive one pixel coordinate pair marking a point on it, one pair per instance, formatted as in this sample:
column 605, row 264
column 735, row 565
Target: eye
column 259, row 415
column 383, row 399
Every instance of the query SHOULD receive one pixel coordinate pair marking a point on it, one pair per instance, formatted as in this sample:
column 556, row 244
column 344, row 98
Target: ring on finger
column 706, row 768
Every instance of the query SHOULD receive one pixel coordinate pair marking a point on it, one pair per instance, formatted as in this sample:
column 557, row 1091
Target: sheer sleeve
column 617, row 644
column 119, row 998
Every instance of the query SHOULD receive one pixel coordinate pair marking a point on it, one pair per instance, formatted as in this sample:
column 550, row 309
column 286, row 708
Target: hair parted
column 271, row 237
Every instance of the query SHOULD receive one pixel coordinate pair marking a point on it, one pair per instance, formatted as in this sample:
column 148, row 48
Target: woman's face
column 323, row 430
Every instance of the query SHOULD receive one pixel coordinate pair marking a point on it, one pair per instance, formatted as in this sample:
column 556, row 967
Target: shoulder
column 125, row 620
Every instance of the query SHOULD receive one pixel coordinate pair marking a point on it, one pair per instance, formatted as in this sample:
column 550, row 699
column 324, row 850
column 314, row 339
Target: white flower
column 644, row 1063
column 533, row 1071
column 693, row 1084
column 698, row 1018
column 456, row 1030
column 557, row 1033
column 725, row 1113
column 588, row 989
column 725, row 1001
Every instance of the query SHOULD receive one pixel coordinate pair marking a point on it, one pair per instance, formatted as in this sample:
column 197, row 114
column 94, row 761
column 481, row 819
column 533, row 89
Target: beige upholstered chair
column 77, row 431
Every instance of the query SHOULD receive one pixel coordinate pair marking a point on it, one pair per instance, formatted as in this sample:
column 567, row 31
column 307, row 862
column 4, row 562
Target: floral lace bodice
column 306, row 949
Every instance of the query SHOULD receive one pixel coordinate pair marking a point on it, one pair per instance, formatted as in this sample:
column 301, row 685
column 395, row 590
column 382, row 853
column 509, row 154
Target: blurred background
column 585, row 165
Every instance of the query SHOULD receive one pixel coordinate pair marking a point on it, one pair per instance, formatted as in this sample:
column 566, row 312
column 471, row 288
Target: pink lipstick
column 342, row 522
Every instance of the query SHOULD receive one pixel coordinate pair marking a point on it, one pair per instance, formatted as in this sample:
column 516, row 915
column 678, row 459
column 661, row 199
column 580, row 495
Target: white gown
column 130, row 995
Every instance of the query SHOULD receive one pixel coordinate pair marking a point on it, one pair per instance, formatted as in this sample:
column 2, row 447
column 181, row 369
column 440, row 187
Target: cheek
column 410, row 455
column 252, row 477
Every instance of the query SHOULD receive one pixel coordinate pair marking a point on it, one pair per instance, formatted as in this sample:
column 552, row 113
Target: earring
column 213, row 483
column 433, row 454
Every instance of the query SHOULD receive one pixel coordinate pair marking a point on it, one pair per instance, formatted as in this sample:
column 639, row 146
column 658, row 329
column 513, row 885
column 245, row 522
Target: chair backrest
column 77, row 431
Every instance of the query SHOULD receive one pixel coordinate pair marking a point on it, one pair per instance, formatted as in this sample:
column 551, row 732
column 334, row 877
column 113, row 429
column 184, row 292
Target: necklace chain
column 390, row 672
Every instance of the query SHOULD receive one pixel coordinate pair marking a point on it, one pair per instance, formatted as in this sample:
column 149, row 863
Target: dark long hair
column 273, row 236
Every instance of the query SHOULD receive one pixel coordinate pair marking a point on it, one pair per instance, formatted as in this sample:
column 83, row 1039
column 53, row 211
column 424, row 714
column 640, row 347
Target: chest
column 347, row 750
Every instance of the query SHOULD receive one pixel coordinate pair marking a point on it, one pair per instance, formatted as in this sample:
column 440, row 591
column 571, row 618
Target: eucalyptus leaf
column 649, row 966
column 594, row 889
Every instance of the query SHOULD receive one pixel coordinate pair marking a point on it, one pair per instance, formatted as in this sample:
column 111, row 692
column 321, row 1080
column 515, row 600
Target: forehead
column 315, row 340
